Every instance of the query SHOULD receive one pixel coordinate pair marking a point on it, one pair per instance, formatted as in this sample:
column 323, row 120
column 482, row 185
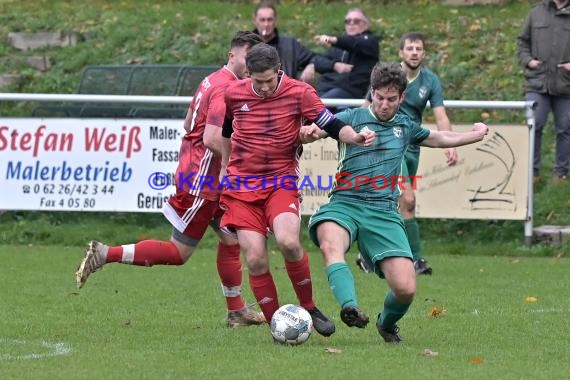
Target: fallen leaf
column 437, row 311
column 476, row 360
column 531, row 299
column 429, row 353
column 558, row 257
column 332, row 350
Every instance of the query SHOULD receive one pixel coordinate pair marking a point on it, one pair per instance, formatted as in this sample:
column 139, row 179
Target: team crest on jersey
column 397, row 132
column 422, row 92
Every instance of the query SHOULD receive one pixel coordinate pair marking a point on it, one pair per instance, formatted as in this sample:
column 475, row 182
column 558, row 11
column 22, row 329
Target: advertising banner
column 129, row 165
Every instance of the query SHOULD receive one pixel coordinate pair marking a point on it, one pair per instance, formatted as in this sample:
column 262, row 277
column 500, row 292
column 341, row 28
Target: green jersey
column 373, row 174
column 425, row 86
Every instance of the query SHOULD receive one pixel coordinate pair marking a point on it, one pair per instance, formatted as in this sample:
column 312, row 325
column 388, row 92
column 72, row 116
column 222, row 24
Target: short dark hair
column 388, row 74
column 262, row 57
column 265, row 4
column 412, row 36
column 244, row 38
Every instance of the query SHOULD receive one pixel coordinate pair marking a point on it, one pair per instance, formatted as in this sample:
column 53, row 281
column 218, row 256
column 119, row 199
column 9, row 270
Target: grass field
column 503, row 318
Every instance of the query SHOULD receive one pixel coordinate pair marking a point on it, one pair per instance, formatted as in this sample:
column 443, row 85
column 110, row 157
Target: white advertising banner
column 87, row 164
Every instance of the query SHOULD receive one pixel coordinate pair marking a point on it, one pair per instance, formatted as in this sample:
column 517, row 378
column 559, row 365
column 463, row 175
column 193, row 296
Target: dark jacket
column 546, row 36
column 294, row 56
column 362, row 51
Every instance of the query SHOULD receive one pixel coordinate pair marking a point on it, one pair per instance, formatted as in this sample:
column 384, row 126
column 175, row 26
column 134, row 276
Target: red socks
column 300, row 275
column 145, row 253
column 230, row 272
column 265, row 293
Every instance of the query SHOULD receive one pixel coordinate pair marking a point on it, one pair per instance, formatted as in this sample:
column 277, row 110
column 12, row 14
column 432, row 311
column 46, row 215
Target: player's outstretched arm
column 448, row 139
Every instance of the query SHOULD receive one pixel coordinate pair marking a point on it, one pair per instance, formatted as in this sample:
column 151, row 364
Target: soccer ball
column 291, row 324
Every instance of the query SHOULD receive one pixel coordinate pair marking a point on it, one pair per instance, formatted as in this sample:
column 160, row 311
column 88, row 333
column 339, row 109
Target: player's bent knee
column 184, row 250
column 406, row 292
column 289, row 244
column 331, row 251
column 257, row 262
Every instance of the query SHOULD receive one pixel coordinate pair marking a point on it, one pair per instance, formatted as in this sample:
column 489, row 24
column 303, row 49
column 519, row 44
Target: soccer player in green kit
column 363, row 206
column 423, row 85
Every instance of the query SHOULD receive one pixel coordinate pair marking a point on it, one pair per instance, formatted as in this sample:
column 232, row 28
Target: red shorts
column 255, row 210
column 191, row 215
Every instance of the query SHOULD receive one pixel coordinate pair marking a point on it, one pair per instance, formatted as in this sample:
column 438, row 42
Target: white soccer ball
column 291, row 324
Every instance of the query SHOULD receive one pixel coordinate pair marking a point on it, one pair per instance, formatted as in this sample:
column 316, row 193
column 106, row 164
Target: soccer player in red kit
column 260, row 166
column 194, row 206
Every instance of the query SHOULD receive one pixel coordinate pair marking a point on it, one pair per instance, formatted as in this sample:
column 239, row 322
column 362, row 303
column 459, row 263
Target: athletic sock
column 393, row 311
column 145, row 253
column 413, row 230
column 265, row 293
column 300, row 276
column 230, row 271
column 341, row 283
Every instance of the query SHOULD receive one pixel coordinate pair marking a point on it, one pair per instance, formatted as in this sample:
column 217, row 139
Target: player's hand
column 451, row 156
column 309, row 133
column 481, row 128
column 365, row 137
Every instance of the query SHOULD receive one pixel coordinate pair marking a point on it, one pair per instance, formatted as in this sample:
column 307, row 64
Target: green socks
column 341, row 283
column 413, row 230
column 393, row 311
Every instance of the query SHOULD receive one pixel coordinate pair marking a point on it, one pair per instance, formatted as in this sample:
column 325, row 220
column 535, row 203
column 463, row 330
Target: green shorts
column 411, row 164
column 379, row 231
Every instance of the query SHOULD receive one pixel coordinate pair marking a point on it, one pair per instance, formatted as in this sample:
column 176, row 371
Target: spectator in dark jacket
column 294, row 56
column 544, row 54
column 346, row 66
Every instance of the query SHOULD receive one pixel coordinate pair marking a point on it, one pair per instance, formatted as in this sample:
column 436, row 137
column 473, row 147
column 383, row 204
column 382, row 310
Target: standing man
column 194, row 207
column 294, row 56
column 544, row 54
column 423, row 86
column 264, row 117
column 345, row 67
column 367, row 210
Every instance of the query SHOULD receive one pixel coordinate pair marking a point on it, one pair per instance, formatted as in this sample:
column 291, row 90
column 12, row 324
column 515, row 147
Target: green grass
column 168, row 322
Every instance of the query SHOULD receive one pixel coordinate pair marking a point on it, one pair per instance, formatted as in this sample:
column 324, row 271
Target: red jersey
column 198, row 168
column 265, row 139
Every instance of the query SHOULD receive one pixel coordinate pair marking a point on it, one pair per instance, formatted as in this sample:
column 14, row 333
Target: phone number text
column 68, row 189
